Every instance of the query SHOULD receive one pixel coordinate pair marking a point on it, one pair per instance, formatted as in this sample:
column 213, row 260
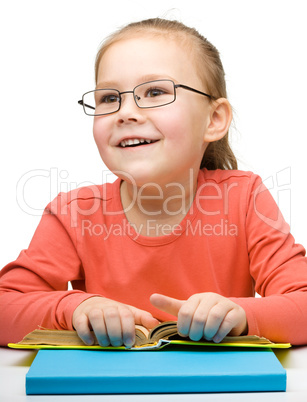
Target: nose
column 129, row 111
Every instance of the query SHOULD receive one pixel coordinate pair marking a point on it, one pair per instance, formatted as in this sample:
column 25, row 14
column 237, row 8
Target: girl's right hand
column 112, row 322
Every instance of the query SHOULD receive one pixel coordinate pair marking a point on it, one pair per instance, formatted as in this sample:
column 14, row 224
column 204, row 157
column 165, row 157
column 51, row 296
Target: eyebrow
column 106, row 84
column 144, row 78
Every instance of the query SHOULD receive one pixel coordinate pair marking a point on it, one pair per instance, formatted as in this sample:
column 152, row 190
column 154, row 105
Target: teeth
column 134, row 141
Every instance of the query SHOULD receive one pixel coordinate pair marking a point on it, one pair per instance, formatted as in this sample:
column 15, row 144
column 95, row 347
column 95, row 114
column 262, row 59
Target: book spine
column 151, row 384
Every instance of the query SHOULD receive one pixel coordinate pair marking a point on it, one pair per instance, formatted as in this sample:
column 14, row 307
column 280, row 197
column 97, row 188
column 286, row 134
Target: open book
column 160, row 336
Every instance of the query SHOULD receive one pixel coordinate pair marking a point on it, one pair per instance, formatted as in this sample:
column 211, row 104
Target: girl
column 181, row 234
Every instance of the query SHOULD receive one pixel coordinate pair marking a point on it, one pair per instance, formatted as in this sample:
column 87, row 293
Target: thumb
column 166, row 303
column 142, row 317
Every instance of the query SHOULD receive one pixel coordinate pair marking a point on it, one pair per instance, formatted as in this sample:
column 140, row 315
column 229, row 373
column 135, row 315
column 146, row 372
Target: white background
column 47, row 61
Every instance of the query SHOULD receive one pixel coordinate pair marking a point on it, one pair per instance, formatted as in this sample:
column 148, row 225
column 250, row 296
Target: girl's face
column 178, row 129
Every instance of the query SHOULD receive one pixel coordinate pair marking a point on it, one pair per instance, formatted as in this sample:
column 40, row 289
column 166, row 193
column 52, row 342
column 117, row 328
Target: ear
column 220, row 120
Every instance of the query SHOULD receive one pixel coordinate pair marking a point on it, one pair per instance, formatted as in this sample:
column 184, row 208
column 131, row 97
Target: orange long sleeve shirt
column 233, row 242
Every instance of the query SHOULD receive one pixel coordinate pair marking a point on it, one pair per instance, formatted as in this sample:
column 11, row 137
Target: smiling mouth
column 135, row 142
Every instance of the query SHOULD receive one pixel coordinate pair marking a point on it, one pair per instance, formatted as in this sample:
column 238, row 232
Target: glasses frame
column 81, row 102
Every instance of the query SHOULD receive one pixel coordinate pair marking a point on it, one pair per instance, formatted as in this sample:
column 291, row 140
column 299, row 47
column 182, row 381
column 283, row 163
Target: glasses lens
column 101, row 101
column 154, row 93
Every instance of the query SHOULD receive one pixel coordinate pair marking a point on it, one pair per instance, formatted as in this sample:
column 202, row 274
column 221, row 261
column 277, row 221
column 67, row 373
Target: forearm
column 280, row 318
column 21, row 313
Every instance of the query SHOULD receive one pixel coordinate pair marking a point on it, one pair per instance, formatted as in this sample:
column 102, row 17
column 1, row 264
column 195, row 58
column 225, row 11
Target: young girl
column 181, row 234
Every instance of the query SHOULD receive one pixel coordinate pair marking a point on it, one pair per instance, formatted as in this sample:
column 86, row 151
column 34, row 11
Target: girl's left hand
column 204, row 315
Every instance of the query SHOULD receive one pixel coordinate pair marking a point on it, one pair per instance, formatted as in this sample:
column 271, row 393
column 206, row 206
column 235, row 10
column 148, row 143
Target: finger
column 81, row 325
column 96, row 319
column 166, row 303
column 233, row 323
column 186, row 318
column 214, row 320
column 142, row 317
column 196, row 314
column 113, row 325
column 128, row 327
column 224, row 329
column 148, row 321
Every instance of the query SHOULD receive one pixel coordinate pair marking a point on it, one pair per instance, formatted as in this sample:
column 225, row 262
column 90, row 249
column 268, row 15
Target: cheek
column 100, row 132
column 181, row 125
column 171, row 123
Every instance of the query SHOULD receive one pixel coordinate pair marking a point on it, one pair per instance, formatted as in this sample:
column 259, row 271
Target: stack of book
column 160, row 362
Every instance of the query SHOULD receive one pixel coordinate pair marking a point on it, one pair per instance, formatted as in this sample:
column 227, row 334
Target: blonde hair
column 218, row 154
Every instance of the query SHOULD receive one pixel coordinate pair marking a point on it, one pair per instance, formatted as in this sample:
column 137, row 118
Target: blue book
column 176, row 370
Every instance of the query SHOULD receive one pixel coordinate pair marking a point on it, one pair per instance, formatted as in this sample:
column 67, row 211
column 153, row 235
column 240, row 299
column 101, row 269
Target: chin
column 138, row 178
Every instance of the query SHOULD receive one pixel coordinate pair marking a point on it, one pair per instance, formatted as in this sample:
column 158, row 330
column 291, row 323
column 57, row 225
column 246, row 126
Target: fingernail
column 129, row 342
column 89, row 341
column 103, row 341
column 216, row 339
column 116, row 343
column 104, row 344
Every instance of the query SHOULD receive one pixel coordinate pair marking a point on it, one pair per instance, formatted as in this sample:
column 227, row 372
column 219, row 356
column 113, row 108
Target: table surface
column 14, row 364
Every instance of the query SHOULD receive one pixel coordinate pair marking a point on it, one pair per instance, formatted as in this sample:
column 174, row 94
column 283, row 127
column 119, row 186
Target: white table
column 14, row 365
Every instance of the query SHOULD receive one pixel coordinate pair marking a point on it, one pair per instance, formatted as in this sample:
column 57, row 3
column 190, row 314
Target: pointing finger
column 166, row 303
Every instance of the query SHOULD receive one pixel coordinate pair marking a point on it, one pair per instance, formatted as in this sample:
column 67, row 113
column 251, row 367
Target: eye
column 154, row 92
column 106, row 97
column 109, row 98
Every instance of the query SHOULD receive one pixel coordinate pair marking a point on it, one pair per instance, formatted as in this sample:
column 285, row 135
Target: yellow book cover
column 157, row 338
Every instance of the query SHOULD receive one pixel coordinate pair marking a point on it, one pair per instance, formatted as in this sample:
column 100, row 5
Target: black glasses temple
column 80, row 102
column 194, row 90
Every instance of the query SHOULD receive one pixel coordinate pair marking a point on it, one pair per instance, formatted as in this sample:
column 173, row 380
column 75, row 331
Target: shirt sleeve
column 33, row 289
column 279, row 269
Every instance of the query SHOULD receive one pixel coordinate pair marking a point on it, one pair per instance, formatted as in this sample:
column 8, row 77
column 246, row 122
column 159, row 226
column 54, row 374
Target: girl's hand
column 204, row 315
column 112, row 322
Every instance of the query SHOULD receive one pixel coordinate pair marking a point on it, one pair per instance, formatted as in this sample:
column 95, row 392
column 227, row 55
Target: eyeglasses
column 147, row 95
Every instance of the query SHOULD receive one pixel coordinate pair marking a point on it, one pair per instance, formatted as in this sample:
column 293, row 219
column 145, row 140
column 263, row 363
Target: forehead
column 128, row 61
